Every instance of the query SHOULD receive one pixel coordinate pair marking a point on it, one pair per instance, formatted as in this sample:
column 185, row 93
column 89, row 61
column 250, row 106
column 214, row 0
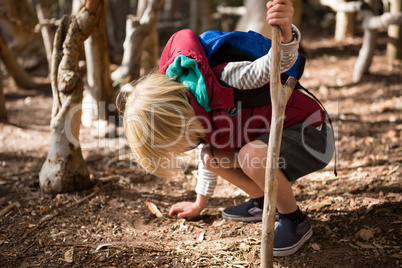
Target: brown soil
column 356, row 216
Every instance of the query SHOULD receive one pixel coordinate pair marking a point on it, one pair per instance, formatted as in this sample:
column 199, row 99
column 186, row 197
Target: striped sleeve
column 255, row 74
column 206, row 182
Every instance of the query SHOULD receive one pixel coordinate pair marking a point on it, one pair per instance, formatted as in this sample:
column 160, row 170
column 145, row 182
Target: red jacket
column 224, row 131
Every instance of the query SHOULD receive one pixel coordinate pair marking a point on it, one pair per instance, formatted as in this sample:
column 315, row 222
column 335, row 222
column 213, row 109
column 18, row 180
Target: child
column 184, row 106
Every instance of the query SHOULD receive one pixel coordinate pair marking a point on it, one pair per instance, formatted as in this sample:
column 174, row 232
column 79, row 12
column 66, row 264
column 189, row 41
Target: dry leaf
column 218, row 223
column 102, row 246
column 243, row 246
column 315, row 246
column 360, row 244
column 322, row 204
column 366, row 234
column 154, row 209
column 201, row 237
column 68, row 255
column 378, row 245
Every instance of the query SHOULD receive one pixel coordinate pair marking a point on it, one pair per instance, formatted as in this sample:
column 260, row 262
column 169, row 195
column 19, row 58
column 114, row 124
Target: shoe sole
column 244, row 219
column 282, row 252
column 241, row 218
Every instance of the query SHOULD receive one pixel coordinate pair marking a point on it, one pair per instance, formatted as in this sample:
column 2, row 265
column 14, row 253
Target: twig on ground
column 31, row 245
column 8, row 208
column 49, row 217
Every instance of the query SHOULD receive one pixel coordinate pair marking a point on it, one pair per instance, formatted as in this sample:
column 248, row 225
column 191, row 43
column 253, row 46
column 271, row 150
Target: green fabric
column 186, row 71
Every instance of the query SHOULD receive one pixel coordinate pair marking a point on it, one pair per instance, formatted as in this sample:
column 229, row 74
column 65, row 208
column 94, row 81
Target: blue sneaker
column 248, row 212
column 289, row 236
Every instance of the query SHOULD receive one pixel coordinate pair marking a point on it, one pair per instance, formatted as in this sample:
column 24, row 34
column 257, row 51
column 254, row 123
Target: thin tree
column 3, row 110
column 17, row 23
column 100, row 94
column 46, row 27
column 21, row 78
column 345, row 24
column 371, row 25
column 149, row 56
column 64, row 168
column 297, row 15
column 201, row 15
column 254, row 19
column 137, row 29
column 394, row 45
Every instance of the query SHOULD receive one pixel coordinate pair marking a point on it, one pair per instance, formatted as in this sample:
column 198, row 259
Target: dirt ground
column 356, row 216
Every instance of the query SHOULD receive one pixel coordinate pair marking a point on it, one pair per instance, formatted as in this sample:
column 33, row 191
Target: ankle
column 297, row 216
column 259, row 202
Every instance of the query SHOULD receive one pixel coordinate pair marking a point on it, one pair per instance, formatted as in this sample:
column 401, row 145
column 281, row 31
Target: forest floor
column 356, row 216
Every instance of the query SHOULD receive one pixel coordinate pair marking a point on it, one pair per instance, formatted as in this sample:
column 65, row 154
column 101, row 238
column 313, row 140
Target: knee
column 252, row 159
column 207, row 158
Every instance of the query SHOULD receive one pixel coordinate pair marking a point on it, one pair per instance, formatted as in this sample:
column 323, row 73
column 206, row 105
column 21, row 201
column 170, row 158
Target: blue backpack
column 221, row 47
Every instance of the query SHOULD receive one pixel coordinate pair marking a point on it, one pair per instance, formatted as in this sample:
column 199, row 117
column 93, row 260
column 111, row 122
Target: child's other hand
column 185, row 210
column 280, row 12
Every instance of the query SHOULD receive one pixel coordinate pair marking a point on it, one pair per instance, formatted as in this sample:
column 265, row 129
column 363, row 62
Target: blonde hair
column 160, row 123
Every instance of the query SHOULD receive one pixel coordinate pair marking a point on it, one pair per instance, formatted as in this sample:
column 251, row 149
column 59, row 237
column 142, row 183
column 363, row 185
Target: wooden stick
column 8, row 208
column 279, row 98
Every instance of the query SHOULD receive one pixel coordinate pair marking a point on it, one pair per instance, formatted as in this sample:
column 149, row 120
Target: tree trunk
column 171, row 10
column 254, row 19
column 371, row 24
column 367, row 50
column 65, row 7
column 149, row 56
column 21, row 78
column 100, row 92
column 345, row 25
column 17, row 26
column 117, row 14
column 201, row 16
column 65, row 169
column 394, row 46
column 43, row 12
column 136, row 33
column 3, row 111
column 297, row 16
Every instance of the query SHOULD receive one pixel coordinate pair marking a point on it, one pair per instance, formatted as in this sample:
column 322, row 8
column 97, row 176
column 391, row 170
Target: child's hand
column 280, row 12
column 185, row 210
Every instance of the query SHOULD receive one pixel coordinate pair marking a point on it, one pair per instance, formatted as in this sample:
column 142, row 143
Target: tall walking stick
column 279, row 97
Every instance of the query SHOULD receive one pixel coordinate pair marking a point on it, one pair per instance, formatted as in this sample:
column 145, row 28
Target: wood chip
column 109, row 178
column 360, row 244
column 154, row 209
column 315, row 246
column 366, row 234
column 68, row 255
column 101, row 246
column 201, row 237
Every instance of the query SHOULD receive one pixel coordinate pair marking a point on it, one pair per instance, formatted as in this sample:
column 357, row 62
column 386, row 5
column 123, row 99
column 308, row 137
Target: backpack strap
column 330, row 123
column 252, row 98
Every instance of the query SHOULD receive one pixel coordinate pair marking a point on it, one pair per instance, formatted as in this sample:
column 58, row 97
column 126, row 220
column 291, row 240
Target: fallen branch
column 237, row 11
column 28, row 247
column 339, row 6
column 50, row 217
column 382, row 21
column 8, row 208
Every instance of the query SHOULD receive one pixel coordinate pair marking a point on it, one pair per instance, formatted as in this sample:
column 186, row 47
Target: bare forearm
column 202, row 201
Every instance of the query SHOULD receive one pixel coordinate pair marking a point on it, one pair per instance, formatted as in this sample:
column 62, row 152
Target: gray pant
column 304, row 149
